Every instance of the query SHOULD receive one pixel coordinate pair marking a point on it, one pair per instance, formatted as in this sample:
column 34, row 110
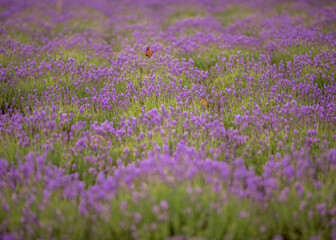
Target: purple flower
column 277, row 237
column 322, row 209
column 5, row 206
column 123, row 206
column 284, row 194
column 289, row 172
column 243, row 214
column 156, row 210
column 137, row 217
column 164, row 205
column 299, row 189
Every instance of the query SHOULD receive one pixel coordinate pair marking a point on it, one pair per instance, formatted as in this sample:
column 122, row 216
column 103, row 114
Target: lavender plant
column 97, row 141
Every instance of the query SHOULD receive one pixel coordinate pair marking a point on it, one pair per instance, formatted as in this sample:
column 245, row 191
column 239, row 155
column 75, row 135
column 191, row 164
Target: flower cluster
column 227, row 131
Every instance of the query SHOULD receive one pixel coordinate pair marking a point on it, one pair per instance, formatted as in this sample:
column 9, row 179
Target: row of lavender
column 101, row 31
column 98, row 142
column 41, row 200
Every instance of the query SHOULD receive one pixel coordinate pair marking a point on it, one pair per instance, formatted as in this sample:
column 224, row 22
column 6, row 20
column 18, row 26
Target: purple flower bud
column 156, row 209
column 123, row 206
column 322, row 209
column 302, row 206
column 5, row 206
column 332, row 212
column 137, row 217
column 126, row 152
column 164, row 205
column 277, row 237
column 243, row 214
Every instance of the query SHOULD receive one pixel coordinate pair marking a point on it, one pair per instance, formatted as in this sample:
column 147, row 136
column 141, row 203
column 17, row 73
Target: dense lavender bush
column 99, row 142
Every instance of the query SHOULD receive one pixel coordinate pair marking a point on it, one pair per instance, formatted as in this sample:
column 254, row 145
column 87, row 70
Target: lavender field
column 98, row 141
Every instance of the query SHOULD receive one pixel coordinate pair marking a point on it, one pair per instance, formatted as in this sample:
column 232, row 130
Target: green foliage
column 230, row 15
